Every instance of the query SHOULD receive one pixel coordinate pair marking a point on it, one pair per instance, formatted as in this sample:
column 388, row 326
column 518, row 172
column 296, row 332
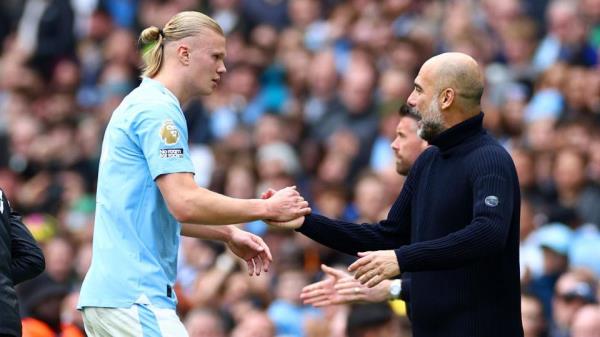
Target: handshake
column 287, row 207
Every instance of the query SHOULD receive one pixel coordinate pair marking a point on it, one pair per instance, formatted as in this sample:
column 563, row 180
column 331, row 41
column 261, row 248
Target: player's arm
column 219, row 233
column 159, row 131
column 190, row 203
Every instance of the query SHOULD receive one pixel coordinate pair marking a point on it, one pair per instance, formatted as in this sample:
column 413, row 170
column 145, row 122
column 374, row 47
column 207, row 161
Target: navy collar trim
column 459, row 133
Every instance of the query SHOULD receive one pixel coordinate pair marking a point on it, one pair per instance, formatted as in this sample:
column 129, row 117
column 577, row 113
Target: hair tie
column 161, row 33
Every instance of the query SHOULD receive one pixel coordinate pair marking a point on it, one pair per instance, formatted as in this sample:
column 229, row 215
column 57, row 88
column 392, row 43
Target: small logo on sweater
column 491, row 200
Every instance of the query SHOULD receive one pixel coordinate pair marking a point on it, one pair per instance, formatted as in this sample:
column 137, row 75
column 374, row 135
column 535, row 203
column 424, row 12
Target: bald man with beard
column 455, row 225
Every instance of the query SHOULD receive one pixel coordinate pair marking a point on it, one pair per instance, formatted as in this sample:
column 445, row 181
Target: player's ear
column 183, row 54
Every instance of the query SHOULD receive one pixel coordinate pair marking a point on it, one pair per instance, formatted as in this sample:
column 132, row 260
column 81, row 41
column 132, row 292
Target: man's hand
column 339, row 287
column 291, row 224
column 349, row 290
column 252, row 249
column 285, row 205
column 374, row 267
column 323, row 293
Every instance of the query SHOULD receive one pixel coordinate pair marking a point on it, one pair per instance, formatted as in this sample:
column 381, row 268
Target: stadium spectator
column 573, row 291
column 587, row 322
column 204, row 323
column 42, row 303
column 373, row 319
column 532, row 315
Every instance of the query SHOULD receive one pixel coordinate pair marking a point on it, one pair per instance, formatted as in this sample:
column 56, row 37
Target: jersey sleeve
column 161, row 133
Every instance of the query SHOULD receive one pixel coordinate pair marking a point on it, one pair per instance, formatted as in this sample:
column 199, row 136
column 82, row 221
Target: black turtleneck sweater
column 455, row 230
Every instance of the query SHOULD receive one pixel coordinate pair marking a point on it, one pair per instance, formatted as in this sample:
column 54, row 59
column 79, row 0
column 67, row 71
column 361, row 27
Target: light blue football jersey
column 135, row 237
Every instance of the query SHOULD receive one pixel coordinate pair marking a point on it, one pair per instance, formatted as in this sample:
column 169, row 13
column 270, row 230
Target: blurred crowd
column 310, row 98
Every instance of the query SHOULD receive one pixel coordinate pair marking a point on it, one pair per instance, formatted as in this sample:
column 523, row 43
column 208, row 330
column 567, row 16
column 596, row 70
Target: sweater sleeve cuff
column 308, row 226
column 407, row 256
column 405, row 293
column 399, row 258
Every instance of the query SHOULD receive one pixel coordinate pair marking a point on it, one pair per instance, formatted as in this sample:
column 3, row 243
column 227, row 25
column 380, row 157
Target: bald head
column 459, row 72
column 447, row 91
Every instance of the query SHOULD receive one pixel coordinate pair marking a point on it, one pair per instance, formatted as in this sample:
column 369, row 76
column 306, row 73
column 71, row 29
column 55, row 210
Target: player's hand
column 268, row 193
column 374, row 267
column 252, row 249
column 287, row 207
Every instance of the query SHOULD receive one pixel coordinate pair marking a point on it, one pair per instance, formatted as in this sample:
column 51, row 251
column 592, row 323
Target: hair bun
column 150, row 34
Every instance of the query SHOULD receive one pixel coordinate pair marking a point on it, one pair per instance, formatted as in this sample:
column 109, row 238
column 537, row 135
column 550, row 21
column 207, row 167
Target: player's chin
column 207, row 91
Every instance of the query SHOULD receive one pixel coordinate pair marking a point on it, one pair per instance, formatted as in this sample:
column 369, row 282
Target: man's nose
column 411, row 100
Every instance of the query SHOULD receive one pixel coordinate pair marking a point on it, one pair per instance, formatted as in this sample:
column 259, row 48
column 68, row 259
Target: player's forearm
column 189, row 203
column 221, row 233
column 201, row 206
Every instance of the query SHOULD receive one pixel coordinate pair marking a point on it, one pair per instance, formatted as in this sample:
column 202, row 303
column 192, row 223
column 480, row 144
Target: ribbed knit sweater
column 455, row 230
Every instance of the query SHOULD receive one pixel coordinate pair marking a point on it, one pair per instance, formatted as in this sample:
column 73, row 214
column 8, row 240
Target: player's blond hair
column 180, row 26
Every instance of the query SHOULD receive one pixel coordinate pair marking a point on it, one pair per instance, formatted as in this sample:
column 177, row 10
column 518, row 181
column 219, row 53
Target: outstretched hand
column 252, row 249
column 323, row 293
column 374, row 267
column 339, row 287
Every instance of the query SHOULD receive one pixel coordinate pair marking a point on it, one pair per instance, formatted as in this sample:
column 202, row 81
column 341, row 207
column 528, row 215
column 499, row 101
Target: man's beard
column 402, row 168
column 432, row 126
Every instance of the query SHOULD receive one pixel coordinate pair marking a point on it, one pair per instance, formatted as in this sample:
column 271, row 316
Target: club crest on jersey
column 169, row 132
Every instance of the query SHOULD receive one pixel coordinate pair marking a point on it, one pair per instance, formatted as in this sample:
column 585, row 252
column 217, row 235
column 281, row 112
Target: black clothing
column 20, row 259
column 455, row 229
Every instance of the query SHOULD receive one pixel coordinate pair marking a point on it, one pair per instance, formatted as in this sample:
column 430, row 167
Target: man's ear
column 183, row 54
column 447, row 98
